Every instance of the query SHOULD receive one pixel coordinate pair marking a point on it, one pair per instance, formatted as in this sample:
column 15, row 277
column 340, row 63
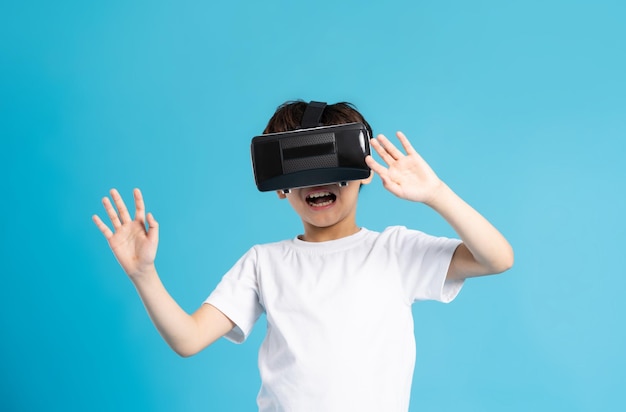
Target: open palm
column 407, row 175
column 133, row 245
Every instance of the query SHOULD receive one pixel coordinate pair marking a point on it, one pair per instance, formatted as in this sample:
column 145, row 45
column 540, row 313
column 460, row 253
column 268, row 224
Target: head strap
column 312, row 115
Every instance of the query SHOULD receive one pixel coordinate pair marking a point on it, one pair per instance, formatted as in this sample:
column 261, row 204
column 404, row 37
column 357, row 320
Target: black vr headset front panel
column 310, row 157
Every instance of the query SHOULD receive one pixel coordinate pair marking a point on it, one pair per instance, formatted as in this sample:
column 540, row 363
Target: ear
column 281, row 195
column 368, row 180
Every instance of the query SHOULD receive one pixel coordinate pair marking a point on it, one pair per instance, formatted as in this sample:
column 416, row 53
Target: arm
column 484, row 250
column 135, row 249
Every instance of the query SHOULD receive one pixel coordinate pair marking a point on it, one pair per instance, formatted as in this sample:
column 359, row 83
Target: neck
column 324, row 234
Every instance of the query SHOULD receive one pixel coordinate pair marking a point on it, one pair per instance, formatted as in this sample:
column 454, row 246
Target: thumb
column 153, row 228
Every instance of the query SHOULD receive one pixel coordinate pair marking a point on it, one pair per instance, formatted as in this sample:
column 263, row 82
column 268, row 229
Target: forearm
column 179, row 329
column 135, row 249
column 490, row 251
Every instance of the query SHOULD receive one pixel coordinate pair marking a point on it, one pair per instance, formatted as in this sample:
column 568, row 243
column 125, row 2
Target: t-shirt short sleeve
column 237, row 297
column 424, row 261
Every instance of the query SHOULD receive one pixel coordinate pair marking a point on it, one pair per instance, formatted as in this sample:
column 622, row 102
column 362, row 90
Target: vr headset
column 311, row 155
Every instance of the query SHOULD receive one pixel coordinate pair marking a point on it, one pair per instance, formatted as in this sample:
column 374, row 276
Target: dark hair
column 288, row 116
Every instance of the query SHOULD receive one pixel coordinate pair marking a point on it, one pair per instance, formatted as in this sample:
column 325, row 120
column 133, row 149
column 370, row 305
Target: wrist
column 439, row 196
column 144, row 274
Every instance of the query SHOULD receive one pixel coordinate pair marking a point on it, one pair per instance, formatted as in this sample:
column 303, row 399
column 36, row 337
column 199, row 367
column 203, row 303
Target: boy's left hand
column 407, row 175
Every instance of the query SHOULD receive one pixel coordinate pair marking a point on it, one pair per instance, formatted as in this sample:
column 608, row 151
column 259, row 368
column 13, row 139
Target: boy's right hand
column 133, row 245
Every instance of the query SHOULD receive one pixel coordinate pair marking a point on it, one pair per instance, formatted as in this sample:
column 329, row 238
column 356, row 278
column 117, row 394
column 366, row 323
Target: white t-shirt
column 339, row 321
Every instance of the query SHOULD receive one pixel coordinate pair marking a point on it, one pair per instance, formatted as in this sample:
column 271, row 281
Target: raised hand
column 407, row 175
column 133, row 244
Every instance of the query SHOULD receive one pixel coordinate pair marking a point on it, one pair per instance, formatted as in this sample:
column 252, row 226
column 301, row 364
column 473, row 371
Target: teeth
column 313, row 197
column 321, row 204
column 319, row 194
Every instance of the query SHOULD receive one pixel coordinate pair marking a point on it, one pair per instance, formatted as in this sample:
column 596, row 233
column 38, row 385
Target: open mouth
column 319, row 199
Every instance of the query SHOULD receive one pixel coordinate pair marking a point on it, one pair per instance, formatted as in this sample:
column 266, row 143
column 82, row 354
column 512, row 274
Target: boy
column 337, row 297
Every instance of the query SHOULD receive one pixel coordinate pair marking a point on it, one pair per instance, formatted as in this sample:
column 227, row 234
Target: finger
column 390, row 148
column 121, row 206
column 140, row 207
column 375, row 166
column 406, row 144
column 102, row 226
column 112, row 213
column 382, row 152
column 387, row 181
column 153, row 228
column 410, row 150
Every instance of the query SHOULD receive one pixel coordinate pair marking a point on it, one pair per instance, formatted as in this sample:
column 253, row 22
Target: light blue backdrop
column 519, row 106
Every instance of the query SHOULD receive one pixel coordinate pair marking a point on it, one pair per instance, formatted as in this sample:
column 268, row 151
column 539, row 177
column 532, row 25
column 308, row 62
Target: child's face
column 327, row 212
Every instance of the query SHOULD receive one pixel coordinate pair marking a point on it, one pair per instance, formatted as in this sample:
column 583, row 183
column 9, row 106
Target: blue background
column 519, row 106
